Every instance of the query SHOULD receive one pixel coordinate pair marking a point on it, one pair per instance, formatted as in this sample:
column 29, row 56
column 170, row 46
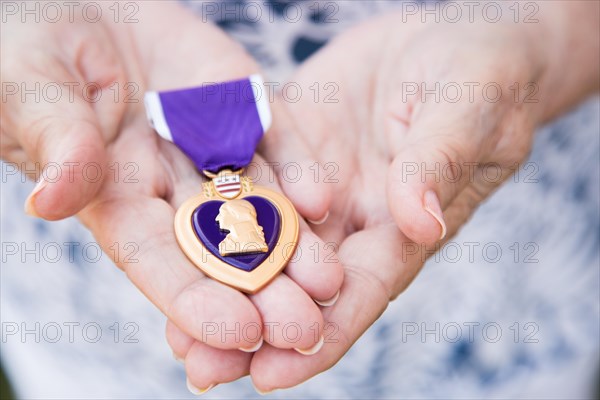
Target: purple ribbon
column 217, row 125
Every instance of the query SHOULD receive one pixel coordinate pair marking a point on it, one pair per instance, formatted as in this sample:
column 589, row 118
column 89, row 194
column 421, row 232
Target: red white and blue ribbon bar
column 215, row 125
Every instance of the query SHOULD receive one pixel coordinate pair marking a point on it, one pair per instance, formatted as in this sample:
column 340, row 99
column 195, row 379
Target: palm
column 363, row 135
column 146, row 179
column 142, row 212
column 344, row 141
column 377, row 214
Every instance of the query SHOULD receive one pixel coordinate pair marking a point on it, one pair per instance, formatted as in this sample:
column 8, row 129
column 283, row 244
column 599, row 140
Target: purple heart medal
column 236, row 232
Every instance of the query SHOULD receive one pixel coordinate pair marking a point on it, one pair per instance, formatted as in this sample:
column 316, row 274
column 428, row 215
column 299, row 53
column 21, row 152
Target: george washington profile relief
column 238, row 217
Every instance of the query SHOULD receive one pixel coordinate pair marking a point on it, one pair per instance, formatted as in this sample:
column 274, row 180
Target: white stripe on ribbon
column 262, row 103
column 156, row 116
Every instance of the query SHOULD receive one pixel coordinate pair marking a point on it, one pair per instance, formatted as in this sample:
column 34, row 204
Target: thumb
column 65, row 144
column 429, row 172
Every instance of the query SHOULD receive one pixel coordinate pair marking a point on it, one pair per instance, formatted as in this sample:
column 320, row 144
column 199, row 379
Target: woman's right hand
column 101, row 161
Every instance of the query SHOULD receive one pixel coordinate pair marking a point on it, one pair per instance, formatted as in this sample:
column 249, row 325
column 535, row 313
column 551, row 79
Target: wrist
column 566, row 40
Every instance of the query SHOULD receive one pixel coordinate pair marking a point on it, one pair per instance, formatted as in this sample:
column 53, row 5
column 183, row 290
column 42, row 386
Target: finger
column 434, row 165
column 315, row 267
column 299, row 174
column 53, row 115
column 141, row 228
column 179, row 341
column 207, row 367
column 333, row 231
column 375, row 272
column 66, row 145
column 291, row 320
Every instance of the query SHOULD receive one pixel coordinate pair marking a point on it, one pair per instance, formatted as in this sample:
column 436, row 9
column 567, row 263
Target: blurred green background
column 5, row 390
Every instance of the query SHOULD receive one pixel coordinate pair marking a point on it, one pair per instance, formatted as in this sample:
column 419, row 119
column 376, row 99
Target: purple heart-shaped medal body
column 209, row 233
column 202, row 240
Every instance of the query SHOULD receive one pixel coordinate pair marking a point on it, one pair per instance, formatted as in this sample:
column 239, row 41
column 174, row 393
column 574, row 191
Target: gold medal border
column 248, row 282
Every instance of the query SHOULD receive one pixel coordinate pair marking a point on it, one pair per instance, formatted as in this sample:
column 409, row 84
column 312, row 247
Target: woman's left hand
column 410, row 156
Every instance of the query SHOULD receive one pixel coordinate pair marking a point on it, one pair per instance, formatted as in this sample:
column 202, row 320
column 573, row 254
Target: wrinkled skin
column 137, row 206
column 384, row 220
column 377, row 131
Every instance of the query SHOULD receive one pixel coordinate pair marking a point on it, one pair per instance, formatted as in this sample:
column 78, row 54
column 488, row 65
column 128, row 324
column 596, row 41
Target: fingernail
column 432, row 206
column 253, row 348
column 261, row 392
column 321, row 221
column 194, row 390
column 30, row 202
column 177, row 358
column 330, row 302
column 313, row 350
